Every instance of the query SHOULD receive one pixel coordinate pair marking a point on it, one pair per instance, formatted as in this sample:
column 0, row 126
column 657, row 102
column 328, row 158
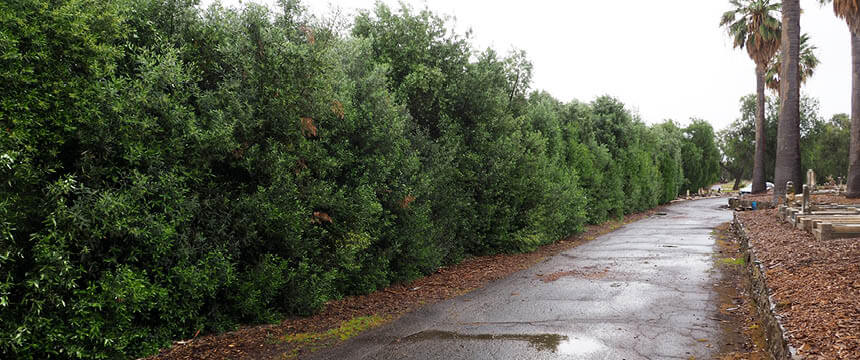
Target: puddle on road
column 542, row 342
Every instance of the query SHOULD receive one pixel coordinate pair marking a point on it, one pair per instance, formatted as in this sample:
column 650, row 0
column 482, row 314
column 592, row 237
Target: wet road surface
column 644, row 291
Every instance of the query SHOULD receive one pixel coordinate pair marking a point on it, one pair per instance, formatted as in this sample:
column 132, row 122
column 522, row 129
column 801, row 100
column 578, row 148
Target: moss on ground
column 312, row 341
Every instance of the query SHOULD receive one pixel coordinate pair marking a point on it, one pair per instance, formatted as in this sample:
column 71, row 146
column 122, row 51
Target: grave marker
column 789, row 192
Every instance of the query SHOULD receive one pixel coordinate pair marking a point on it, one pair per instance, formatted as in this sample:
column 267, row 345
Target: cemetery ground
column 813, row 284
column 665, row 284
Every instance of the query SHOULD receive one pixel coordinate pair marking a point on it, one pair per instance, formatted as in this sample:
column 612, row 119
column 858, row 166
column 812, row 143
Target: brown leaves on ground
column 833, row 199
column 759, row 197
column 814, row 285
column 816, row 199
column 266, row 341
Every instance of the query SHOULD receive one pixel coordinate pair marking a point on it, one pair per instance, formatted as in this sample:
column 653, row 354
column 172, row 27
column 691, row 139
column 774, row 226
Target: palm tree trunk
column 788, row 133
column 853, row 189
column 758, row 184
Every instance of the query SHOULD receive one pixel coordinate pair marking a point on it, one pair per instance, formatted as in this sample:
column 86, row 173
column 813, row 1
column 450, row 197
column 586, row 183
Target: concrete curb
column 777, row 342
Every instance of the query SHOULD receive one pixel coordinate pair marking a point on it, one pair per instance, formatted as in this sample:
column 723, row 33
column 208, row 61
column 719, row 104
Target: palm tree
column 849, row 10
column 808, row 63
column 752, row 25
column 788, row 133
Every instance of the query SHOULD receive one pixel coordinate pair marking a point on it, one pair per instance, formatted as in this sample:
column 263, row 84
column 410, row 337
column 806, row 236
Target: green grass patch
column 729, row 185
column 312, row 341
column 346, row 330
column 733, row 261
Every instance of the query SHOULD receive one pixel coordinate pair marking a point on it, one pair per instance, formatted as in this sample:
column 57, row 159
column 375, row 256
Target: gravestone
column 807, row 190
column 789, row 192
column 810, row 178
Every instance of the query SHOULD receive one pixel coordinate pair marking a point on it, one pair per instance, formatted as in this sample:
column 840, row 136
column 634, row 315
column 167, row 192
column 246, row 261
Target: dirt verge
column 743, row 336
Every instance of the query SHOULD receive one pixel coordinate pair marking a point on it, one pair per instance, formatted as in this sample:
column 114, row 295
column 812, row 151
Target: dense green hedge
column 165, row 169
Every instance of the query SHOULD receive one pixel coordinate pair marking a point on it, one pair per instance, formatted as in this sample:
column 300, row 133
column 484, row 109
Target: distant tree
column 849, row 10
column 788, row 159
column 736, row 143
column 808, row 63
column 752, row 24
column 826, row 147
column 701, row 155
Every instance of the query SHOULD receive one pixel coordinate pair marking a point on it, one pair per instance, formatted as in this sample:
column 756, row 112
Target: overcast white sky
column 666, row 59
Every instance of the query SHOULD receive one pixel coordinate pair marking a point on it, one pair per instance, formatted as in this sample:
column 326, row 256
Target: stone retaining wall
column 736, row 203
column 777, row 342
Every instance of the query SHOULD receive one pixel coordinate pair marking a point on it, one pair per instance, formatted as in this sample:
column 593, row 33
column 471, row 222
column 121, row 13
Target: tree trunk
column 758, row 184
column 788, row 133
column 853, row 189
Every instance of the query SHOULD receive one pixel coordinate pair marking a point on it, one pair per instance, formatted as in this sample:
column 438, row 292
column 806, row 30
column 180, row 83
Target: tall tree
column 808, row 63
column 788, row 134
column 849, row 10
column 700, row 145
column 752, row 24
column 737, row 141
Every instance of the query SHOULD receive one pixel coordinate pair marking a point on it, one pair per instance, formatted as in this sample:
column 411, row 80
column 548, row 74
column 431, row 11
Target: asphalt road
column 644, row 291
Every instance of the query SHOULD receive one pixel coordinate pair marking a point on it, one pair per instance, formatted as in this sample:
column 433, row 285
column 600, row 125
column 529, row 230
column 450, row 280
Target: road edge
column 778, row 345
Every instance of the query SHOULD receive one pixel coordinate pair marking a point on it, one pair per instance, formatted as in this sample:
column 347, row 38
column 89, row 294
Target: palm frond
column 808, row 63
column 752, row 24
column 848, row 10
column 728, row 18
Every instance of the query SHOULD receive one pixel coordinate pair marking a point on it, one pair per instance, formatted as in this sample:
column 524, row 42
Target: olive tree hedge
column 167, row 169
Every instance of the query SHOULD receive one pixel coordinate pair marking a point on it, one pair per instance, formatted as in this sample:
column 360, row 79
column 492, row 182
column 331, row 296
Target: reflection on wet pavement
column 580, row 346
column 576, row 345
column 541, row 342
